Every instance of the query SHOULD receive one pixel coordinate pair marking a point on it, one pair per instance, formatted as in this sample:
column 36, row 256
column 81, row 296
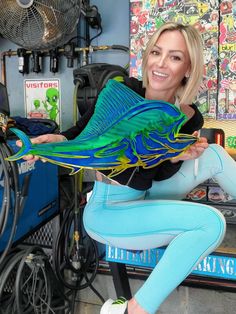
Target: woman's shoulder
column 190, row 110
column 197, row 114
column 195, row 121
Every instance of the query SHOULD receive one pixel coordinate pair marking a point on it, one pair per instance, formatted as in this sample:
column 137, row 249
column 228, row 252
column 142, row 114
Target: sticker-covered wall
column 216, row 21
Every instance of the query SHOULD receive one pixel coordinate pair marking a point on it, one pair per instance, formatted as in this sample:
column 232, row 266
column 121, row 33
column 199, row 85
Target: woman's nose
column 162, row 61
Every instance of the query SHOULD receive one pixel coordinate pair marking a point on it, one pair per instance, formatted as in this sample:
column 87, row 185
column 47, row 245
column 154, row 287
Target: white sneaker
column 118, row 306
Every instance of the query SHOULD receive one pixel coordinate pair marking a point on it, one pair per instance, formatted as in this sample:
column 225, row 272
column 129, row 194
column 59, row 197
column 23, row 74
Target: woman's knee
column 215, row 225
column 217, row 149
column 214, row 151
column 211, row 160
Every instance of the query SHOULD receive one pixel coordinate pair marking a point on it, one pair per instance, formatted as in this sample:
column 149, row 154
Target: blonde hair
column 190, row 86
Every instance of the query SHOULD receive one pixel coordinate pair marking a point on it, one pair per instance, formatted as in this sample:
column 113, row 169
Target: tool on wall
column 23, row 61
column 69, row 53
column 37, row 61
column 54, row 60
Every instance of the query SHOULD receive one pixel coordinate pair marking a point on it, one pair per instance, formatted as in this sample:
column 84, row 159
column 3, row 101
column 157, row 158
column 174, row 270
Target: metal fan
column 39, row 24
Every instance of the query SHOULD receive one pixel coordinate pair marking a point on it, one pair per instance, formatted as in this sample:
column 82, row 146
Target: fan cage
column 39, row 24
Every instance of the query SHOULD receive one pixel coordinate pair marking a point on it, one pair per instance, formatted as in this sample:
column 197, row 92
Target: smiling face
column 167, row 64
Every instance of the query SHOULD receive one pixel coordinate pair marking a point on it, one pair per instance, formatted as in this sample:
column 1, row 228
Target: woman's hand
column 194, row 151
column 46, row 138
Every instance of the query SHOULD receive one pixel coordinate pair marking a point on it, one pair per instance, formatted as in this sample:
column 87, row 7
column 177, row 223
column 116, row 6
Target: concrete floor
column 183, row 300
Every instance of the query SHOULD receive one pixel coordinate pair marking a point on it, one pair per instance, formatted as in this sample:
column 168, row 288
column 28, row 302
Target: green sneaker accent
column 118, row 306
column 120, row 300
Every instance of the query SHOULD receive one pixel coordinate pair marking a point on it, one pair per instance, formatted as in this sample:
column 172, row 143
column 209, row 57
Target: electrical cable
column 6, row 194
column 75, row 37
column 5, row 277
column 83, row 261
column 96, row 36
column 11, row 171
column 35, row 288
column 73, row 300
column 58, row 265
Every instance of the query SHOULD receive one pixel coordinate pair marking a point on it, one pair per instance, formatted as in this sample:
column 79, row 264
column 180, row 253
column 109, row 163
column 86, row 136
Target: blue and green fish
column 125, row 131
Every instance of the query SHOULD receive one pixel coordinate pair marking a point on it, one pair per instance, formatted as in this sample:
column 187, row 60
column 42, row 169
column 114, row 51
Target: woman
column 142, row 208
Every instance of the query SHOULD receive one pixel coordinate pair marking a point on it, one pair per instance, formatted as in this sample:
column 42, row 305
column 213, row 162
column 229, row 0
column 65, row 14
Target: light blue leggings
column 132, row 219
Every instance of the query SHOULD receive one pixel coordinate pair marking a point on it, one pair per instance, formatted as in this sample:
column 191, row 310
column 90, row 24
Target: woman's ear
column 187, row 74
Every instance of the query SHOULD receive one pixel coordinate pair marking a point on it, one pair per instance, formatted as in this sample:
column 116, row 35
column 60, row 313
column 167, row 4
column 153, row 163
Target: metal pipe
column 84, row 50
column 3, row 68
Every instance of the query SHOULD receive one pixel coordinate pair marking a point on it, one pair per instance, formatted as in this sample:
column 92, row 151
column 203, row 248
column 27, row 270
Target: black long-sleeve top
column 142, row 178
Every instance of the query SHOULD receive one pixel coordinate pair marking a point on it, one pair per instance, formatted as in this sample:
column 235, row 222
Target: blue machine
column 29, row 194
column 39, row 204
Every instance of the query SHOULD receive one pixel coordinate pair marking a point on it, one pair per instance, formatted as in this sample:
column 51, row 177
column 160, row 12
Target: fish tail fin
column 26, row 145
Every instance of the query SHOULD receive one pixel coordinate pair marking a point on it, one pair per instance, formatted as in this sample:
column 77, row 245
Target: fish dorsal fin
column 114, row 101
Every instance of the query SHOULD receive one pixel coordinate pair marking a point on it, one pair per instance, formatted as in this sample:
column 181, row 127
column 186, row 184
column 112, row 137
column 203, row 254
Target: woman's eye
column 176, row 58
column 155, row 53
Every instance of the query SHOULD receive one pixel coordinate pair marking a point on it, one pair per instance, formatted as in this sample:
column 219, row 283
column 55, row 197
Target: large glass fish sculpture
column 125, row 131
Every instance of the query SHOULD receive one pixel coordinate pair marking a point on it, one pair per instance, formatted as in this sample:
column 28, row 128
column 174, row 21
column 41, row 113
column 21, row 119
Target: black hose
column 12, row 173
column 32, row 262
column 28, row 284
column 6, row 193
column 120, row 47
column 87, row 253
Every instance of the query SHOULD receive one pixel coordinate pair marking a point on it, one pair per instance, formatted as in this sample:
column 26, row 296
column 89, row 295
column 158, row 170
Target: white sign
column 42, row 99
